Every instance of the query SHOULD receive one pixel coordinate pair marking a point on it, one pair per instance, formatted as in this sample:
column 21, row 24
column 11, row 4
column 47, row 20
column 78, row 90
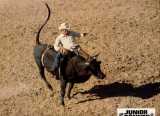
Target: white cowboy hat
column 64, row 26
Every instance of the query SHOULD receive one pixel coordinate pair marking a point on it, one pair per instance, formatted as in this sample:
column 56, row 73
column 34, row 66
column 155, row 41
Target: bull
column 73, row 67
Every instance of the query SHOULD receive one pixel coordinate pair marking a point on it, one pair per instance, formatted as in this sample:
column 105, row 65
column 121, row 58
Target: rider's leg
column 56, row 61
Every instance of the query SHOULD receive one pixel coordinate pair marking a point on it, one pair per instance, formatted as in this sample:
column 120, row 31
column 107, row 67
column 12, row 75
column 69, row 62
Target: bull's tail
column 38, row 34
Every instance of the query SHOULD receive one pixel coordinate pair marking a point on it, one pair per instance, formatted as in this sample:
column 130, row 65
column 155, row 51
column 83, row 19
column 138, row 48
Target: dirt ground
column 125, row 32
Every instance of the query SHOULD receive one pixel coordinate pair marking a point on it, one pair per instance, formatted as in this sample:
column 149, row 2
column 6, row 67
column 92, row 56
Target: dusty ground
column 126, row 32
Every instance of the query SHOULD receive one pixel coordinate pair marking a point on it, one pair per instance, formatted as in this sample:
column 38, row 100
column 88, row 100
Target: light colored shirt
column 66, row 41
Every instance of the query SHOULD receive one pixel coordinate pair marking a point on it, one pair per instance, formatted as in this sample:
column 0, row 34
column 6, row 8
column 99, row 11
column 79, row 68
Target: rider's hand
column 63, row 50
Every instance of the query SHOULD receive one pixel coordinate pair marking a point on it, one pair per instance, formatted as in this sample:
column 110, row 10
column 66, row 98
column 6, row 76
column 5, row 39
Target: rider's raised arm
column 77, row 34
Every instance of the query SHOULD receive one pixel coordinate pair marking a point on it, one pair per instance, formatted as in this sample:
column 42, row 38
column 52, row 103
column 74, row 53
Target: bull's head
column 95, row 68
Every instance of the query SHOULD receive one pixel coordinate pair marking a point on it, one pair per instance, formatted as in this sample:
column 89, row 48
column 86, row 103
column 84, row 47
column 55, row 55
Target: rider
column 65, row 43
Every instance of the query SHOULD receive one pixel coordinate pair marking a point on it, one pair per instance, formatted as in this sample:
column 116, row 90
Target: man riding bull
column 65, row 43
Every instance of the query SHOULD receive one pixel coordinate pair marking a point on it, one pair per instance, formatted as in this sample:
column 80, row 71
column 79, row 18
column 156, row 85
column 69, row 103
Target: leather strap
column 43, row 53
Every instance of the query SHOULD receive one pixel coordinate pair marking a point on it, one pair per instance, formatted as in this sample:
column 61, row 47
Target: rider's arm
column 59, row 47
column 77, row 34
column 57, row 44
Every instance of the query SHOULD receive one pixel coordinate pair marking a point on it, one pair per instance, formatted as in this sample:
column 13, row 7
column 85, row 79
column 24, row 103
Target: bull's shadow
column 117, row 89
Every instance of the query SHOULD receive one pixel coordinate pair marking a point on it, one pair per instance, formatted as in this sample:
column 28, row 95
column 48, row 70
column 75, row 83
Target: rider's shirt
column 66, row 41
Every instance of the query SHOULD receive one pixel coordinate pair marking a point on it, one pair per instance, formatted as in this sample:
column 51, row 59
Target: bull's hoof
column 69, row 97
column 62, row 103
column 52, row 94
column 57, row 78
column 50, row 87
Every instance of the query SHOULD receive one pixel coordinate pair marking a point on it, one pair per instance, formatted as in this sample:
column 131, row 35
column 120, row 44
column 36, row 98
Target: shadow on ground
column 117, row 89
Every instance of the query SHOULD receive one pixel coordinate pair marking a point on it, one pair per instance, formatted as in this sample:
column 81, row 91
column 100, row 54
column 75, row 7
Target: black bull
column 74, row 69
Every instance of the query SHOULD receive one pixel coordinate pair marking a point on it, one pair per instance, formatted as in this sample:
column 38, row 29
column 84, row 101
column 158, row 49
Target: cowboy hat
column 64, row 26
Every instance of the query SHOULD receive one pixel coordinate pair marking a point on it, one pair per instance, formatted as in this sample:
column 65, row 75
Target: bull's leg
column 62, row 91
column 70, row 86
column 41, row 69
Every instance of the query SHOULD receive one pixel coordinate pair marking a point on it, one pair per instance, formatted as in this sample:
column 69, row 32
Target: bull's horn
column 96, row 55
